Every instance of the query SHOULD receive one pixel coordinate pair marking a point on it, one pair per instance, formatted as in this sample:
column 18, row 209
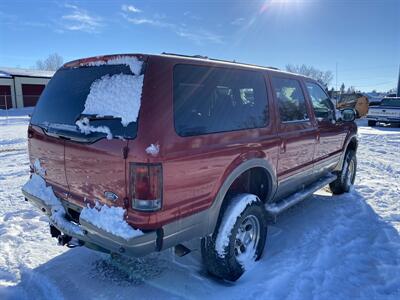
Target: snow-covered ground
column 342, row 247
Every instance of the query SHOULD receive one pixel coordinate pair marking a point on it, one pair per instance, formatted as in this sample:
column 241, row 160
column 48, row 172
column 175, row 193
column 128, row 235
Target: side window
column 291, row 101
column 323, row 106
column 209, row 100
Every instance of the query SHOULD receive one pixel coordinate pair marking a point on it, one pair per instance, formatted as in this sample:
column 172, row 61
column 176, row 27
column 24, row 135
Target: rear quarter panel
column 195, row 167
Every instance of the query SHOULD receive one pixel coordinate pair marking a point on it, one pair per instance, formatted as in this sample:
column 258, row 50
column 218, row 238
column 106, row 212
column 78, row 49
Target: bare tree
column 342, row 88
column 323, row 77
column 51, row 63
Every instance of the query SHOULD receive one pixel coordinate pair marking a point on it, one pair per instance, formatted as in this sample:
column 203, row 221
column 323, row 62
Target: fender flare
column 214, row 210
column 349, row 139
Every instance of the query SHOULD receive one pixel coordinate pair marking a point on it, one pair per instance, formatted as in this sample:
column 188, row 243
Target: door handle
column 318, row 137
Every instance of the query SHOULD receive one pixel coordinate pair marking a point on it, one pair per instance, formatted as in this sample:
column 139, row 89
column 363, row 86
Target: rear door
column 331, row 135
column 297, row 135
column 93, row 169
column 90, row 160
column 49, row 151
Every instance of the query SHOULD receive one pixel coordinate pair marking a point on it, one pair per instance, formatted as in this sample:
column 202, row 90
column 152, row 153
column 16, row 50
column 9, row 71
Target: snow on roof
column 10, row 72
column 4, row 74
column 134, row 64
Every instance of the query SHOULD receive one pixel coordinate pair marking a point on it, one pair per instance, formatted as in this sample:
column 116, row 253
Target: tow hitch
column 63, row 239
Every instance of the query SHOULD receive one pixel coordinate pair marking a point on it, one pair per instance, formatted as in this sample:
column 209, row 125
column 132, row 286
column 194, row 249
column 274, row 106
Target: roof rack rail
column 220, row 60
column 246, row 64
column 183, row 55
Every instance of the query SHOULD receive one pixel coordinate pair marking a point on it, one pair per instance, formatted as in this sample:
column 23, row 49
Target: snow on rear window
column 85, row 127
column 117, row 95
column 134, row 64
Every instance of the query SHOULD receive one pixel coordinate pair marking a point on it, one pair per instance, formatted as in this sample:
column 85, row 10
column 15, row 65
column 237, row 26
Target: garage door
column 31, row 93
column 5, row 97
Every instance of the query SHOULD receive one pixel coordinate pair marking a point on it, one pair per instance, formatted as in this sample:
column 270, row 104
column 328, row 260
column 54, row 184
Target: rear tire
column 371, row 123
column 238, row 240
column 346, row 176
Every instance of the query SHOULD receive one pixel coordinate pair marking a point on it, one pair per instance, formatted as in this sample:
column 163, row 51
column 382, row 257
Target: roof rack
column 216, row 59
column 183, row 55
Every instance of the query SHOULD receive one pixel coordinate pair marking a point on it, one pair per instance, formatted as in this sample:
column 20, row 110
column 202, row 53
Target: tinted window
column 391, row 102
column 291, row 102
column 63, row 100
column 210, row 100
column 323, row 107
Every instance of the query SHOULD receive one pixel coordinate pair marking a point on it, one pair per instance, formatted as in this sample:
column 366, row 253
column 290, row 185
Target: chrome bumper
column 94, row 237
column 383, row 119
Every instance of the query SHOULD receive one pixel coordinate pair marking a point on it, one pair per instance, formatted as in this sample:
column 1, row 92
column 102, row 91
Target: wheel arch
column 221, row 200
column 350, row 144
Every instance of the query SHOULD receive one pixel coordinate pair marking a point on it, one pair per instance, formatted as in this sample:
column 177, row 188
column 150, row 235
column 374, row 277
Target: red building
column 21, row 87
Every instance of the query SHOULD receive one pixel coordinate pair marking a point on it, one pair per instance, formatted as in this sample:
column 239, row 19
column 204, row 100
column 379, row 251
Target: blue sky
column 361, row 37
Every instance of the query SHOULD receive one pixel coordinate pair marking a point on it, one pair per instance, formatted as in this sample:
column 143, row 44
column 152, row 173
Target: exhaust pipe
column 74, row 242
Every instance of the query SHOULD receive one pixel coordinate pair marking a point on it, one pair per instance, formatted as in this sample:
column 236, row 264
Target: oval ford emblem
column 110, row 196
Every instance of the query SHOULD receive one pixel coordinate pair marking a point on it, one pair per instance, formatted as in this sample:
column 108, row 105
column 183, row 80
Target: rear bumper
column 94, row 236
column 383, row 119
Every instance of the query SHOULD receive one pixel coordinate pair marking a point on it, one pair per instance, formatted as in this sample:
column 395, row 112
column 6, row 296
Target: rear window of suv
column 63, row 100
column 210, row 100
column 391, row 102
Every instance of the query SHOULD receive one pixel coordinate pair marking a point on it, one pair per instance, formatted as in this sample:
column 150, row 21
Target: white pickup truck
column 387, row 112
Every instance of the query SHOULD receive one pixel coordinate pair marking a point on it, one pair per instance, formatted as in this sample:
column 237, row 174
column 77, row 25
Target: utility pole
column 337, row 92
column 398, row 85
column 336, row 75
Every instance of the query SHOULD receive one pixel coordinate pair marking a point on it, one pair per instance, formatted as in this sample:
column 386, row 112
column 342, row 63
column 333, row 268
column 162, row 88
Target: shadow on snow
column 324, row 248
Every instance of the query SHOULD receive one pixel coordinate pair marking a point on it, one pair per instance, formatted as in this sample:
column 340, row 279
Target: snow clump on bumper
column 110, row 219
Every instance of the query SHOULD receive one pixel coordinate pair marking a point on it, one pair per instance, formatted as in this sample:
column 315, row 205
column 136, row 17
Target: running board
column 278, row 207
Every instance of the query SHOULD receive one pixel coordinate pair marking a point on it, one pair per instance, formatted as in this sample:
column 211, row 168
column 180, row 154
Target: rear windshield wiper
column 96, row 117
column 70, row 132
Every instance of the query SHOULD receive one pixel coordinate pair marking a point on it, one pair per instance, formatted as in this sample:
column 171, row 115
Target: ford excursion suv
column 134, row 154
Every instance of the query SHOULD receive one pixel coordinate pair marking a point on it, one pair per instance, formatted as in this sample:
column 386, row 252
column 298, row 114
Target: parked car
column 134, row 154
column 387, row 112
column 357, row 101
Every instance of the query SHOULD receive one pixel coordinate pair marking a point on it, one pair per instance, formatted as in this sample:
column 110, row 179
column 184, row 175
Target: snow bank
column 36, row 186
column 327, row 247
column 153, row 149
column 16, row 112
column 110, row 219
column 134, row 64
column 117, row 95
column 85, row 127
column 231, row 214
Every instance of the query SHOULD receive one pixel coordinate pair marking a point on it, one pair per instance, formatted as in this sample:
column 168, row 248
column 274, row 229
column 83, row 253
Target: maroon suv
column 135, row 153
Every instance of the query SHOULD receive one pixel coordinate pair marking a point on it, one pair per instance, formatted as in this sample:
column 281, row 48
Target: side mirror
column 348, row 115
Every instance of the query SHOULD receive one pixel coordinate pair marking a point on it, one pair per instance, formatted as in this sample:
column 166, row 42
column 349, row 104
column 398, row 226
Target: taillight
column 146, row 186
